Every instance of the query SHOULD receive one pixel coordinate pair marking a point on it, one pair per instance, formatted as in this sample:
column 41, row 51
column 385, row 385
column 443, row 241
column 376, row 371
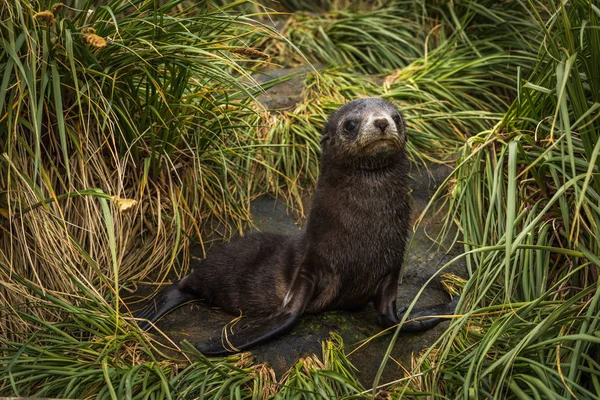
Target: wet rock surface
column 197, row 322
column 287, row 94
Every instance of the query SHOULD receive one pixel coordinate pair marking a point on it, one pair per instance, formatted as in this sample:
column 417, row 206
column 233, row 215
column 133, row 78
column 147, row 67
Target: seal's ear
column 404, row 127
column 400, row 121
column 325, row 136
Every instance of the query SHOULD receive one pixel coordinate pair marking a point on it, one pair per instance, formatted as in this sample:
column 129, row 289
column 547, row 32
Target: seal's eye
column 350, row 125
column 397, row 119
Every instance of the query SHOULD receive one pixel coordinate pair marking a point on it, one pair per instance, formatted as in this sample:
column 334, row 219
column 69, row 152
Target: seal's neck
column 364, row 165
column 370, row 171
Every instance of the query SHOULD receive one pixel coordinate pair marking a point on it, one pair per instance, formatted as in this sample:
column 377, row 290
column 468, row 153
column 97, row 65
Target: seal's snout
column 381, row 124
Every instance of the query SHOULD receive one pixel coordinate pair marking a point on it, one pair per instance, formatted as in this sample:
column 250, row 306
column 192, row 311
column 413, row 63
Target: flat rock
column 287, row 94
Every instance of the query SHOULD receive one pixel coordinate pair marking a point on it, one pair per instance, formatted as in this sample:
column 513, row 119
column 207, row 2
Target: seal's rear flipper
column 428, row 323
column 161, row 304
column 249, row 335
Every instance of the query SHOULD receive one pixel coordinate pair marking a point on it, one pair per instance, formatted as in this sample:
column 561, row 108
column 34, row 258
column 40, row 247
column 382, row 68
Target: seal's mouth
column 382, row 143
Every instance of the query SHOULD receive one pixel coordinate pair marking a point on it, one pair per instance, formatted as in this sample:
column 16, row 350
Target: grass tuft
column 131, row 128
column 128, row 101
column 524, row 196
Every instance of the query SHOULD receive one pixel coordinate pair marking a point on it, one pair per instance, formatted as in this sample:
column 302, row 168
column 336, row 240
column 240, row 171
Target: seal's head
column 365, row 133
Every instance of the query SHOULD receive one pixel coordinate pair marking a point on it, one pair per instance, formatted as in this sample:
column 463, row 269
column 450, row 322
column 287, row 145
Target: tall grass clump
column 88, row 355
column 525, row 195
column 379, row 37
column 129, row 127
column 445, row 97
column 370, row 41
column 124, row 128
column 440, row 63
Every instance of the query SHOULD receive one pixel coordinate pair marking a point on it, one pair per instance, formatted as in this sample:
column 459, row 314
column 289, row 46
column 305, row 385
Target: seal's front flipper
column 162, row 303
column 385, row 300
column 434, row 315
column 248, row 335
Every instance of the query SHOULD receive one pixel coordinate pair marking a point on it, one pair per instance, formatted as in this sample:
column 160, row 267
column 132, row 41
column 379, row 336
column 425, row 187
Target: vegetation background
column 127, row 128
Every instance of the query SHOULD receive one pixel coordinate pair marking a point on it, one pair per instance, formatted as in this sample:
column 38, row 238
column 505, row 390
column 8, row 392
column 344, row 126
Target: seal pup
column 350, row 253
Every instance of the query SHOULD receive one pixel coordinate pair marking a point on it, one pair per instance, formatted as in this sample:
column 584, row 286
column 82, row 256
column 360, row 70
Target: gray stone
column 287, row 94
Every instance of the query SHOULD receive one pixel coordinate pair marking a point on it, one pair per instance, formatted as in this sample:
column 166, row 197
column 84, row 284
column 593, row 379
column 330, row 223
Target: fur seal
column 350, row 252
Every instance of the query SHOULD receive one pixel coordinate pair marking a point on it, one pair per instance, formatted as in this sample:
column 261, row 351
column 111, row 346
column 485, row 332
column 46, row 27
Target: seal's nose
column 382, row 124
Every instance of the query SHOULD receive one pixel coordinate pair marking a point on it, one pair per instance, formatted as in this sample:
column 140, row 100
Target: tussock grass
column 158, row 116
column 379, row 37
column 87, row 355
column 454, row 79
column 331, row 377
column 524, row 195
column 445, row 98
column 370, row 41
column 128, row 130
